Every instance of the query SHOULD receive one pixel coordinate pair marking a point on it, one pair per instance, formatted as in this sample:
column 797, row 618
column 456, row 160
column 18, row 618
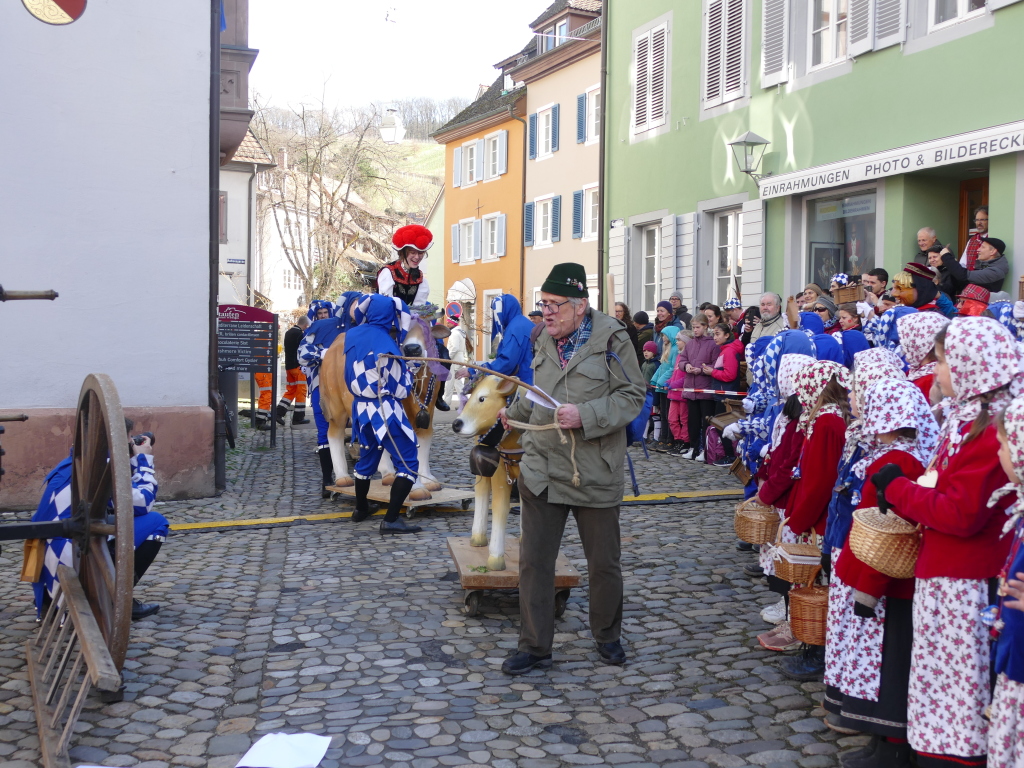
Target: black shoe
column 142, row 610
column 296, row 422
column 808, row 666
column 753, row 570
column 263, row 426
column 866, row 751
column 522, row 662
column 279, row 413
column 441, row 405
column 744, row 546
column 246, row 412
column 612, row 653
column 362, row 505
column 887, row 754
column 398, row 526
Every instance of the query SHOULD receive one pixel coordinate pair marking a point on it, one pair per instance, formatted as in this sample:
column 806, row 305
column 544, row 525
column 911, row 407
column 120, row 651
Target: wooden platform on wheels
column 380, row 493
column 471, row 565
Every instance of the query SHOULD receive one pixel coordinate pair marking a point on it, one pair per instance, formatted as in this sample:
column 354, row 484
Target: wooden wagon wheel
column 101, row 490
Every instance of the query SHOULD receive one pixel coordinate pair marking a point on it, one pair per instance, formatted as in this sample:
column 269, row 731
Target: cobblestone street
column 326, row 627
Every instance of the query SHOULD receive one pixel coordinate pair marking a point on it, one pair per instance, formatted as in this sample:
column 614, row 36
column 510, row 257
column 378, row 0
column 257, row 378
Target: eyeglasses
column 550, row 307
column 820, row 309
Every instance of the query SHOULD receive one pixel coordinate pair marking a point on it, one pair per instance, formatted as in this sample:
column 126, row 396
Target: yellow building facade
column 483, row 212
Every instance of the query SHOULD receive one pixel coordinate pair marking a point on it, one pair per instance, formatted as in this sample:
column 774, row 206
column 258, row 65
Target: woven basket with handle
column 886, row 542
column 808, row 614
column 795, row 573
column 755, row 523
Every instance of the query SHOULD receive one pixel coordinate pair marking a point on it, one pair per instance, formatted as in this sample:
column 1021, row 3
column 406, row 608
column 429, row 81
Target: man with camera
column 151, row 528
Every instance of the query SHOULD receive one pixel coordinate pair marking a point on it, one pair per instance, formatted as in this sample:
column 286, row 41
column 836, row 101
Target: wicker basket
column 796, row 573
column 755, row 523
column 886, row 542
column 849, row 293
column 808, row 614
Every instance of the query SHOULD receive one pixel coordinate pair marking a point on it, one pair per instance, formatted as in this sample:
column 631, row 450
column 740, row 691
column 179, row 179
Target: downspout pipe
column 522, row 207
column 249, row 295
column 216, row 400
column 602, row 172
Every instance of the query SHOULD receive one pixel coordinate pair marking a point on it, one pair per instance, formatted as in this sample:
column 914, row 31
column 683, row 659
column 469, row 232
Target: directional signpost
column 247, row 342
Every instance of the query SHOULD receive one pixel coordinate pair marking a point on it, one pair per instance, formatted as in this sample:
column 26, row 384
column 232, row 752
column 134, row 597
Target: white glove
column 1018, row 310
column 748, row 405
column 731, row 432
column 865, row 310
column 764, row 451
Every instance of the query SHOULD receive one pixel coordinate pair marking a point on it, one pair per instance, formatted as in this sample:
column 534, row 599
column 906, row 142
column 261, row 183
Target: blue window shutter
column 528, row 224
column 455, row 243
column 577, row 214
column 501, row 235
column 554, row 128
column 502, row 152
column 556, row 218
column 457, row 167
column 477, row 233
column 532, row 140
column 581, row 118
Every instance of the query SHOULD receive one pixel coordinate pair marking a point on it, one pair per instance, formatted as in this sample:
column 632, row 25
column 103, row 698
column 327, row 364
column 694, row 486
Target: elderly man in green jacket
column 585, row 361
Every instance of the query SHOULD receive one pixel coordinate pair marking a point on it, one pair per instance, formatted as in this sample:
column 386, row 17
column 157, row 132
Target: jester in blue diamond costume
column 378, row 418
column 515, row 352
column 151, row 528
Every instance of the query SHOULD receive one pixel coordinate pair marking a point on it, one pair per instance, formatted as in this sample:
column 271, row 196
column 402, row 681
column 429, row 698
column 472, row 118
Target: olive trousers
column 542, row 525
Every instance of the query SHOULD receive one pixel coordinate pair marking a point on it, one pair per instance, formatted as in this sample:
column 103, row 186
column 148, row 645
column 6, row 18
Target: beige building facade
column 562, row 200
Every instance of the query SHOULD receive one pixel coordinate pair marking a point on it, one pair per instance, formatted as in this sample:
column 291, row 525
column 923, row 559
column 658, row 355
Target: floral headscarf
column 869, row 368
column 789, row 367
column 1013, row 420
column 884, row 332
column 810, row 383
column 917, row 338
column 982, row 357
column 892, row 404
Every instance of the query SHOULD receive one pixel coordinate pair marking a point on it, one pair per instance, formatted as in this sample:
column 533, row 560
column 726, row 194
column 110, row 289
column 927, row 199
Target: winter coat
column 677, row 382
column 649, row 368
column 514, row 350
column 953, row 276
column 608, row 398
column 697, row 352
column 666, row 369
column 727, row 366
column 819, row 469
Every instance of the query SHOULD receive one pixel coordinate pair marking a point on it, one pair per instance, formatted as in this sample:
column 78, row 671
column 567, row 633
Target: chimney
column 282, row 158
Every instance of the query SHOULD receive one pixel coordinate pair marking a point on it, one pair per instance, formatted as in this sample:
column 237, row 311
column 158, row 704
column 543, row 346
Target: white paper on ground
column 286, row 750
column 549, row 403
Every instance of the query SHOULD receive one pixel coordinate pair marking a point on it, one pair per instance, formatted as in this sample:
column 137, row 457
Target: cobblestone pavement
column 331, row 629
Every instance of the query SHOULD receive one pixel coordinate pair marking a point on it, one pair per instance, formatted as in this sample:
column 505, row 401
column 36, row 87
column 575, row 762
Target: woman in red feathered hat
column 403, row 278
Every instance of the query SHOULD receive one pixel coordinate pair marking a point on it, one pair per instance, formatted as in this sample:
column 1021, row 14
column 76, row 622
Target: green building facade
column 882, row 117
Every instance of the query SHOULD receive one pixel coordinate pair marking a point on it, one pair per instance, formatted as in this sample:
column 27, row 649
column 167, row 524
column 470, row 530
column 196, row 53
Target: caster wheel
column 561, row 598
column 466, row 503
column 472, row 606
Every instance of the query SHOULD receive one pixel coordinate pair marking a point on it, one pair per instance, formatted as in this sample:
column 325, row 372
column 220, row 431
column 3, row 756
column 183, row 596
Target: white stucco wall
column 105, row 199
column 235, row 182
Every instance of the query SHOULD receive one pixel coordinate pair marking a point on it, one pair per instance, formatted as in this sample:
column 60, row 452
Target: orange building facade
column 484, row 187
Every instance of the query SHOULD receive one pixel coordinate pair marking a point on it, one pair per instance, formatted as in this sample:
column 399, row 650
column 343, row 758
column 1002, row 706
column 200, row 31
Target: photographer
column 151, row 528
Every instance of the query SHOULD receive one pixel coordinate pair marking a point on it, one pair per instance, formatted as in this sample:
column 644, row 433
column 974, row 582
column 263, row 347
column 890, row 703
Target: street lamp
column 748, row 150
column 391, row 129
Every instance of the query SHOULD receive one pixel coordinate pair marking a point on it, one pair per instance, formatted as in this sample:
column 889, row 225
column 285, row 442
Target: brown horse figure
column 488, row 396
column 336, row 403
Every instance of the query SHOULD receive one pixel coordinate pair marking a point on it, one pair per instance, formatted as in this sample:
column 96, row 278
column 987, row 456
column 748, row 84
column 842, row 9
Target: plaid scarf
column 568, row 346
column 972, row 250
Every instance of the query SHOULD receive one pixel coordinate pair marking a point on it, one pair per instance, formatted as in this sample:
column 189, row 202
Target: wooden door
column 973, row 192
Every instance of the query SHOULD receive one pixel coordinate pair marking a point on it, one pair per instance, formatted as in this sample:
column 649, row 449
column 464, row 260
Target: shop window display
column 840, row 236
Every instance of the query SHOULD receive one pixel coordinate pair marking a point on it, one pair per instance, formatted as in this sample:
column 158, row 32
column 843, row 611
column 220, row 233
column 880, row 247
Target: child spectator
column 661, row 380
column 677, row 406
column 701, row 350
column 726, row 372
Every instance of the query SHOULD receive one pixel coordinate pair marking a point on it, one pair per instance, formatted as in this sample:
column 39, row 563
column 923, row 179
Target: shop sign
column 861, row 205
column 988, row 142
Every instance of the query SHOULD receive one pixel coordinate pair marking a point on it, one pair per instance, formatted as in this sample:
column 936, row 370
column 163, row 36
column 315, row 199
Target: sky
column 354, row 52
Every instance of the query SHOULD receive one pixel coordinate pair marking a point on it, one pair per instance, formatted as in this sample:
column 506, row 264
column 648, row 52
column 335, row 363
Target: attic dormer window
column 554, row 36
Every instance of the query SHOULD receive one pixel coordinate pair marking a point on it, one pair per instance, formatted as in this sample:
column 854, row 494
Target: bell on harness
column 484, row 460
column 422, row 419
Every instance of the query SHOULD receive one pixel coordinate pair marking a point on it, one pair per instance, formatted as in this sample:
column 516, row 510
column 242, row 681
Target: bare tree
column 314, row 200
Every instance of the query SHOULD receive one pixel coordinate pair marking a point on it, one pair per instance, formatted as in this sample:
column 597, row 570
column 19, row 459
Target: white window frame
column 489, row 223
column 744, row 90
column 590, row 233
column 593, row 114
column 562, row 32
column 736, row 248
column 962, row 15
column 656, row 226
column 540, row 206
column 492, row 150
column 470, row 166
column 548, row 40
column 546, row 112
column 646, row 81
column 466, row 241
column 838, row 38
column 485, row 308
